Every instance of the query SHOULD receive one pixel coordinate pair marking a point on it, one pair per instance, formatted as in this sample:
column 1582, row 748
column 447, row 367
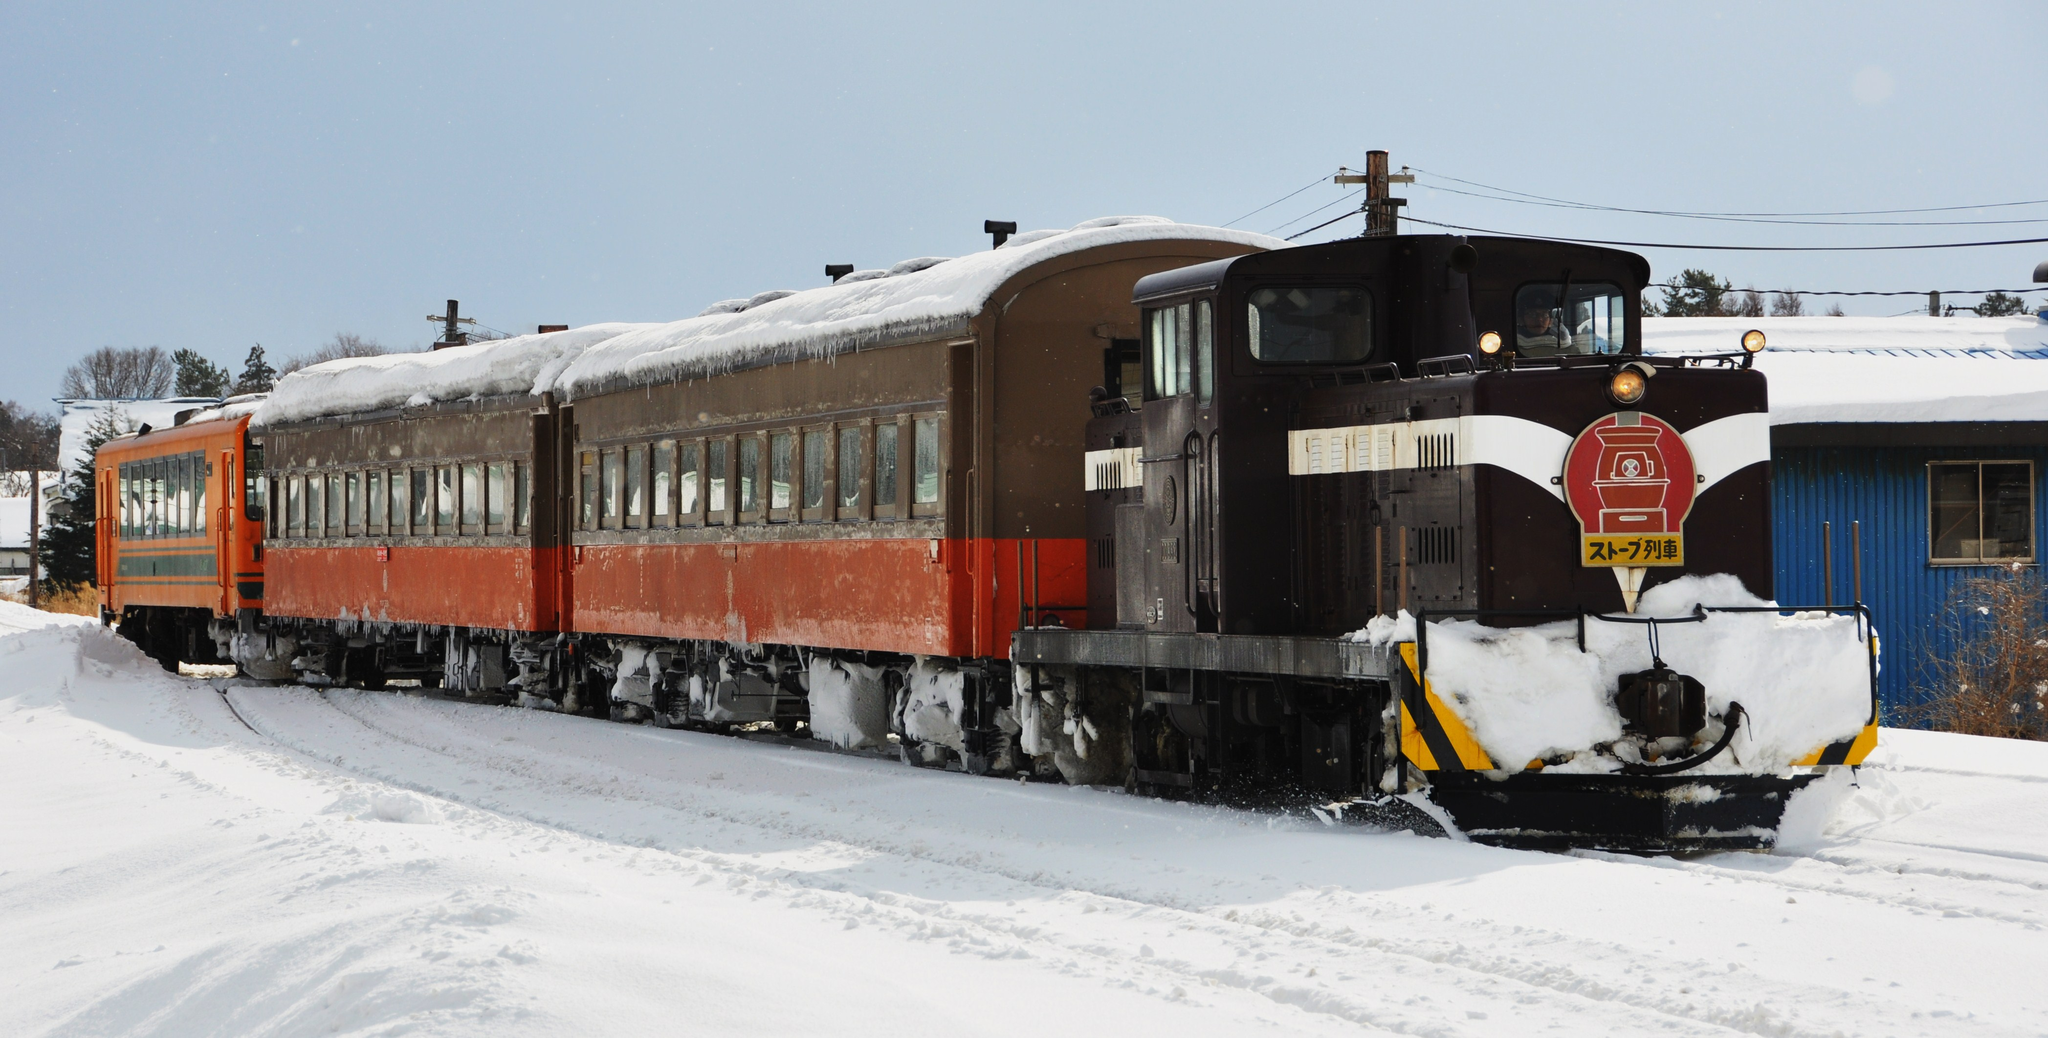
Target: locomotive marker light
column 1627, row 386
column 1489, row 343
column 1753, row 341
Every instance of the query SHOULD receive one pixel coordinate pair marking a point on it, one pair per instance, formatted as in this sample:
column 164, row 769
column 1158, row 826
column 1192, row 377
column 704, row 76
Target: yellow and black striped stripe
column 1432, row 737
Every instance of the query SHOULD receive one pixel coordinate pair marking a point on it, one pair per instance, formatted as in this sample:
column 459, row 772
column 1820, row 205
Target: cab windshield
column 1591, row 317
column 1309, row 324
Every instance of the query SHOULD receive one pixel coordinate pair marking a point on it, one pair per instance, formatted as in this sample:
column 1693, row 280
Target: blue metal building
column 1924, row 438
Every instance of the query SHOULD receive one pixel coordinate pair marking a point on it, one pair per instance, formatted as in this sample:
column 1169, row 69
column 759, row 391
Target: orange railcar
column 179, row 525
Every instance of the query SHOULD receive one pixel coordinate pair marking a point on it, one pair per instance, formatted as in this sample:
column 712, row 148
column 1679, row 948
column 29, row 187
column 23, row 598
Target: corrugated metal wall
column 1885, row 488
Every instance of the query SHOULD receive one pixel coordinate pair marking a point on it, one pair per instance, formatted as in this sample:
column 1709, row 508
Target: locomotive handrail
column 1441, row 366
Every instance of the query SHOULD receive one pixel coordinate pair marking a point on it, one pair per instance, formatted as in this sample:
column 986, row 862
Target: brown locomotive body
column 1222, row 573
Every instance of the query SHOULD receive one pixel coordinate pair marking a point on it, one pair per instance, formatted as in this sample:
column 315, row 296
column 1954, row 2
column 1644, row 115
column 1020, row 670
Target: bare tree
column 1836, row 311
column 1747, row 304
column 344, row 344
column 1786, row 304
column 119, row 373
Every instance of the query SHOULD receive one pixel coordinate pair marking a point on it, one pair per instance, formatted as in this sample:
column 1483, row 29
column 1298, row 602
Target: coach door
column 1179, row 472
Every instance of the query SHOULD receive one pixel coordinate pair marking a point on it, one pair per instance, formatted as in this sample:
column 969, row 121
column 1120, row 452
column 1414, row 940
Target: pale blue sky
column 209, row 176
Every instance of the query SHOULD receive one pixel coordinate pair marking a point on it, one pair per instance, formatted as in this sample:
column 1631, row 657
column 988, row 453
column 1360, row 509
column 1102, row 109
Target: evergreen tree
column 67, row 556
column 1999, row 304
column 198, row 376
column 257, row 374
column 1698, row 293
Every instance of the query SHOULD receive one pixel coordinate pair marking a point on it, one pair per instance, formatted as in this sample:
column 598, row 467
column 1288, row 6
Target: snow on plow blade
column 1619, row 812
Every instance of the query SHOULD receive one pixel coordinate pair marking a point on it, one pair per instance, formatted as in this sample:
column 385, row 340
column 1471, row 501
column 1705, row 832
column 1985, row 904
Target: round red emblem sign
column 1630, row 480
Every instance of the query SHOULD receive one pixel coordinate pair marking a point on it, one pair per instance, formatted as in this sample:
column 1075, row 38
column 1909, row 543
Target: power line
column 1732, row 218
column 1682, row 212
column 1316, row 210
column 1276, row 201
column 1320, row 226
column 1735, row 248
column 1816, row 292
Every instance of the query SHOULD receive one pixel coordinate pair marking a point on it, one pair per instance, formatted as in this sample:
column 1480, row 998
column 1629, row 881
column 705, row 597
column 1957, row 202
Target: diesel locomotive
column 1136, row 503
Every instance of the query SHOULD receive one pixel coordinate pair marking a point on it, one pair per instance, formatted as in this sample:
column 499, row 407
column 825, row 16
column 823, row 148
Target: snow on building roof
column 1882, row 369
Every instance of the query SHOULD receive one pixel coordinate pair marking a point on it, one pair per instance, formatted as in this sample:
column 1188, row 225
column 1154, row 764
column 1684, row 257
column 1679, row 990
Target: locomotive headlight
column 1626, row 386
column 1489, row 343
column 1753, row 341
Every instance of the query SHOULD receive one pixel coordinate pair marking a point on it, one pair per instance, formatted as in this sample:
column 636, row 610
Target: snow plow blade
column 1619, row 812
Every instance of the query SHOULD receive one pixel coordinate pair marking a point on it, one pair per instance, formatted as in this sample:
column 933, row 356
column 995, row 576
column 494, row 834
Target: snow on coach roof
column 920, row 298
column 1882, row 369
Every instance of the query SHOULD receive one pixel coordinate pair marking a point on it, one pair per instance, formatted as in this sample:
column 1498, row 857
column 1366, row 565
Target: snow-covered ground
column 378, row 864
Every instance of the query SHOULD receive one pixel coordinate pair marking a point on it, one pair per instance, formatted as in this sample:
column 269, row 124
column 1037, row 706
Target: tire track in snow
column 1411, row 949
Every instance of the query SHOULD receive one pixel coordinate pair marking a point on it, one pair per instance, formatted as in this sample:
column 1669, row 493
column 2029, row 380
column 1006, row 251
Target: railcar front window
column 1310, row 324
column 1980, row 511
column 1551, row 321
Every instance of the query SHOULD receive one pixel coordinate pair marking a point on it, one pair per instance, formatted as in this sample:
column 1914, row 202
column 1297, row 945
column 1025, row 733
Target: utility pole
column 451, row 334
column 35, row 533
column 1382, row 212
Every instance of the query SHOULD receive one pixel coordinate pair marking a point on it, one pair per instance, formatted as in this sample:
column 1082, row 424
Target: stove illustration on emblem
column 1629, row 479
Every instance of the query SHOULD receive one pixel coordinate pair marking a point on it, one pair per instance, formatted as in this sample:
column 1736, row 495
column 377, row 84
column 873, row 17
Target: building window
column 1980, row 511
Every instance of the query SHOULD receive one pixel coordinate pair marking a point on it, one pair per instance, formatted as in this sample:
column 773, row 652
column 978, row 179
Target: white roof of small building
column 78, row 416
column 13, row 524
column 1882, row 369
column 920, row 298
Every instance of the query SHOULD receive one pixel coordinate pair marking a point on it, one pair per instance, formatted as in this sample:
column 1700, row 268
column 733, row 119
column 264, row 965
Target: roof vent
column 835, row 271
column 1000, row 229
column 546, row 328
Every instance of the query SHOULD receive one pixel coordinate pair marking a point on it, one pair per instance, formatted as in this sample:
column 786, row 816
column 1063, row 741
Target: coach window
column 885, row 469
column 781, row 462
column 494, row 498
column 354, row 491
column 335, row 505
column 295, row 506
column 716, row 454
column 925, row 479
column 849, row 473
column 687, row 483
column 586, row 485
column 376, row 506
column 750, row 477
column 445, row 485
column 1980, row 512
column 422, row 502
column 472, row 498
column 815, row 462
column 1205, row 351
column 522, row 496
column 636, row 486
column 201, row 471
column 315, row 512
column 179, row 499
column 145, row 499
column 610, row 476
column 1309, row 324
column 401, row 502
column 661, row 463
column 274, row 515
